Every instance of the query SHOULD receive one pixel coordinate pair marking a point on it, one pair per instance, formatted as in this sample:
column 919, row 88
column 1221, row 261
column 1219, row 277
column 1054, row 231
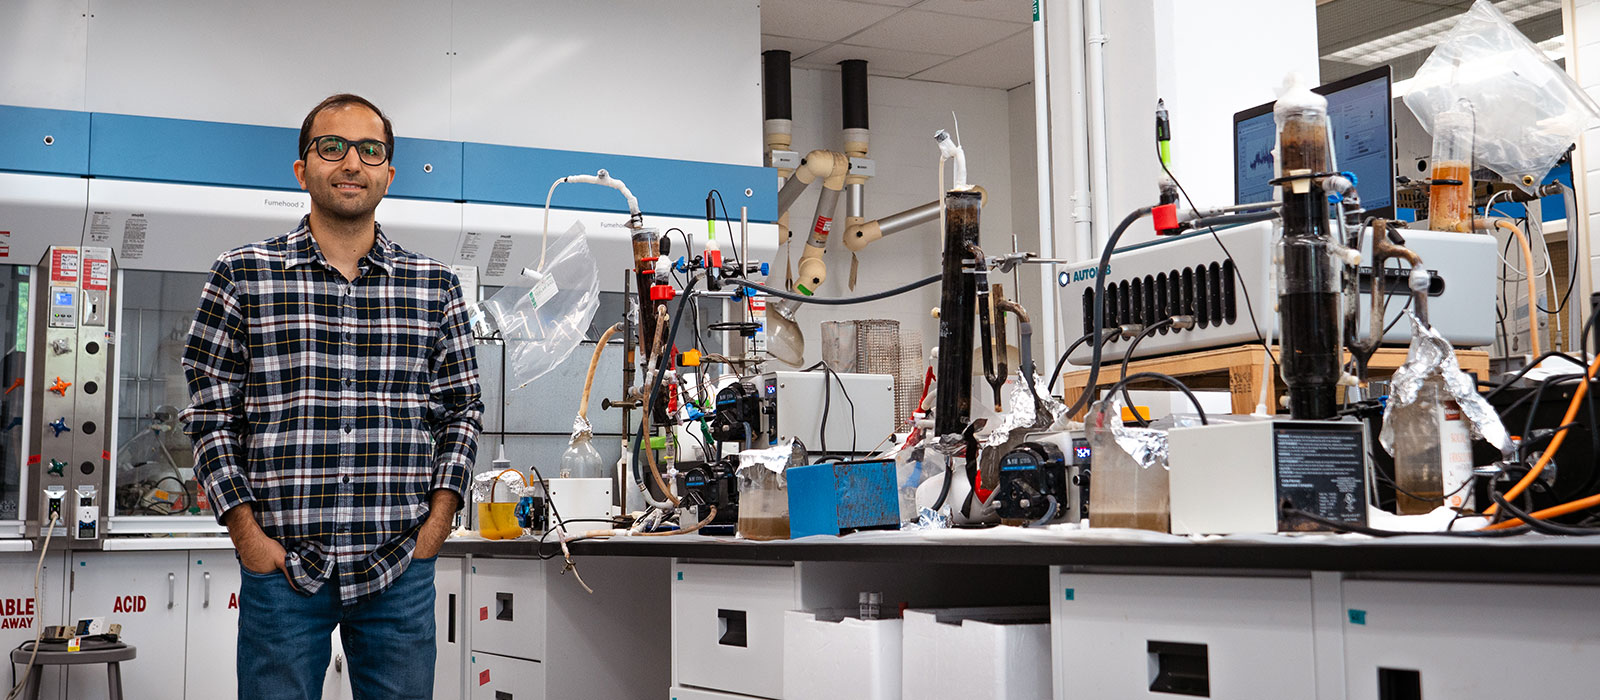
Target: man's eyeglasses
column 333, row 149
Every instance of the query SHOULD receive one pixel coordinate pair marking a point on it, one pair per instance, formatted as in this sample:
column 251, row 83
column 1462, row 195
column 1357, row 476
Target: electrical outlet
column 53, row 497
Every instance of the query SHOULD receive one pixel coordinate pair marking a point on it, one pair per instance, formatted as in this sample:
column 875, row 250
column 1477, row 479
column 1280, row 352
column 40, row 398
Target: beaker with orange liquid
column 1450, row 204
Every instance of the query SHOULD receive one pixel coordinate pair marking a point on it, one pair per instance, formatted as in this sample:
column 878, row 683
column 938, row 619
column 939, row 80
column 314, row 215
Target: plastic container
column 1433, row 452
column 1123, row 492
column 496, row 493
column 763, row 505
column 1450, row 205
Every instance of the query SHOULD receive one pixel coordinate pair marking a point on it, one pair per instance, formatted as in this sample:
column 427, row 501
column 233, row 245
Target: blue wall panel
column 23, row 131
column 510, row 175
column 180, row 150
column 441, row 179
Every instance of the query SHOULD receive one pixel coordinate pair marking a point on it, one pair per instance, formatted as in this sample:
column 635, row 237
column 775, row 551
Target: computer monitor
column 1359, row 108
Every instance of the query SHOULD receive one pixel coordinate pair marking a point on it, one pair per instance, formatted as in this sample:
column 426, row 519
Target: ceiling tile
column 1008, row 10
column 797, row 48
column 820, row 20
column 1003, row 65
column 895, row 64
column 931, row 32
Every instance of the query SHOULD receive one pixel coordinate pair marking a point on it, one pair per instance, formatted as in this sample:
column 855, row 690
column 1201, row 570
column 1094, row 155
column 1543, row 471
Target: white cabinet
column 1118, row 636
column 213, row 625
column 146, row 593
column 496, row 677
column 1469, row 641
column 21, row 612
column 450, row 624
column 523, row 616
column 727, row 626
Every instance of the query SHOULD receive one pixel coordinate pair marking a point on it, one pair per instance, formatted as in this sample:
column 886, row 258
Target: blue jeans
column 284, row 638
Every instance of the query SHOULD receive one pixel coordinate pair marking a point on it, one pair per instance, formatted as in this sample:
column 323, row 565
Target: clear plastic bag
column 541, row 324
column 1527, row 109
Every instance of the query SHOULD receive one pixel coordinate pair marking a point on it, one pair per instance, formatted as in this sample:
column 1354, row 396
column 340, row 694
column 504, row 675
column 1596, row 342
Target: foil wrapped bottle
column 1432, row 452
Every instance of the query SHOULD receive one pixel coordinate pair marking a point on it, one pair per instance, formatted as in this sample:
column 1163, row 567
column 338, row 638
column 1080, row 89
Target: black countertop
column 1535, row 556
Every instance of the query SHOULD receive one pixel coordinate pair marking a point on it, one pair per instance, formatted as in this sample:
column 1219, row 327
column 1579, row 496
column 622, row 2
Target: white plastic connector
column 950, row 150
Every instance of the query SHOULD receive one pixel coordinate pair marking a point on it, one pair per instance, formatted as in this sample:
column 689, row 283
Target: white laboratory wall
column 1208, row 62
column 669, row 80
column 1582, row 27
column 903, row 114
column 1025, row 208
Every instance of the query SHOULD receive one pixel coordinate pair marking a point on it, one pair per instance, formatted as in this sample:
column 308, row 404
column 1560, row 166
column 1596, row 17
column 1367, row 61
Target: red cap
column 1165, row 217
column 662, row 292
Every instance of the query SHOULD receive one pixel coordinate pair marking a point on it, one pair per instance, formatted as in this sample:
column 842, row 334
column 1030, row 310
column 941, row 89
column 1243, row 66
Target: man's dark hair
column 341, row 100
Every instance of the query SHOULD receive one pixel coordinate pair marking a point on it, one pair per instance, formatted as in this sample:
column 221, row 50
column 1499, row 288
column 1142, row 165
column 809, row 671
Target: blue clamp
column 695, row 413
column 680, row 266
column 60, row 426
column 763, row 269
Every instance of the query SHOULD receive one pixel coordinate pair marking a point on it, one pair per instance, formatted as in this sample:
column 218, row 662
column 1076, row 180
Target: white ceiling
column 982, row 43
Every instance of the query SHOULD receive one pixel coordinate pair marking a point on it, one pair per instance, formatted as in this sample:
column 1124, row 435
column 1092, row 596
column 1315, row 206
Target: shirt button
column 347, row 381
column 347, row 430
column 347, row 480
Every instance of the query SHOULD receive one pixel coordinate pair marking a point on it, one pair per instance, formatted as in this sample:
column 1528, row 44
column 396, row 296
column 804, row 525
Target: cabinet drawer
column 1469, row 641
column 508, row 608
column 496, row 677
column 727, row 626
column 1147, row 636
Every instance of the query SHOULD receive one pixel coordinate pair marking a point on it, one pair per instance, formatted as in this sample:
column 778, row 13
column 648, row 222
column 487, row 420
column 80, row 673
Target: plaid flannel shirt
column 334, row 407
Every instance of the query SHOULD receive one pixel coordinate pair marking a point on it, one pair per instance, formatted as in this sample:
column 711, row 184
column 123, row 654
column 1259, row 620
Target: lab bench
column 1238, row 617
column 701, row 617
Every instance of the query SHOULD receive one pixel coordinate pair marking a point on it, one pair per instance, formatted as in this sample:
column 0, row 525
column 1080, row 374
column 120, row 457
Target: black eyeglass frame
column 348, row 144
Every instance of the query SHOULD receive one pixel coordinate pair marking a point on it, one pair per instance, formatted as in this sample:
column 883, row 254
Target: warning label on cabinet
column 1321, row 471
column 499, row 257
column 64, row 265
column 96, row 273
column 16, row 613
column 133, row 233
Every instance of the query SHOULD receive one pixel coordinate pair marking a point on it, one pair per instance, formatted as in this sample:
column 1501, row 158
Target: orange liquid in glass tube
column 1450, row 206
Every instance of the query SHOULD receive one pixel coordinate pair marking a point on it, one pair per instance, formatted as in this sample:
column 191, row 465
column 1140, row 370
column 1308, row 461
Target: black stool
column 110, row 655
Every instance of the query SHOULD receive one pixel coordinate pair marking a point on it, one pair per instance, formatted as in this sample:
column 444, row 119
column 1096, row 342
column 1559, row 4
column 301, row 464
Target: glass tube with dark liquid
column 1308, row 277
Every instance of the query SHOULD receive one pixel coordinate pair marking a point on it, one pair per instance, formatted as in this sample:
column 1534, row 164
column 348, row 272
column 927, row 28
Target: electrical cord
column 1555, row 444
column 732, row 246
column 827, row 407
column 839, row 301
column 38, row 569
column 1340, row 526
column 1507, row 383
column 1245, row 289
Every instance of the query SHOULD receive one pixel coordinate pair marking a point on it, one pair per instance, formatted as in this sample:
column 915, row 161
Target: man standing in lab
column 335, row 414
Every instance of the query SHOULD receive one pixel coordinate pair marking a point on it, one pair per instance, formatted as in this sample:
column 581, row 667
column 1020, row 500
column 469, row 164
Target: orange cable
column 1533, row 295
column 1550, row 453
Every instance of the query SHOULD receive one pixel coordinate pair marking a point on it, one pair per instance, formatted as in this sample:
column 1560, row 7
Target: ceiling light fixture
column 1426, row 36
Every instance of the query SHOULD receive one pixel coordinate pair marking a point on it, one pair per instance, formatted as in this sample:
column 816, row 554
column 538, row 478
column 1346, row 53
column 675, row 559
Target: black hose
column 839, row 301
column 661, row 371
column 1538, row 525
column 1056, row 373
column 1128, row 357
column 1180, row 386
column 1100, row 306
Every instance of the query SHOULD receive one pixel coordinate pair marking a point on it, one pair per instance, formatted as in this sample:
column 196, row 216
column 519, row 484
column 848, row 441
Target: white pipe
column 1045, row 192
column 1094, row 66
column 1078, row 133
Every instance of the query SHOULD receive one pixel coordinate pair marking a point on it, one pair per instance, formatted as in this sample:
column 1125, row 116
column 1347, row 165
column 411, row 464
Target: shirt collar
column 303, row 249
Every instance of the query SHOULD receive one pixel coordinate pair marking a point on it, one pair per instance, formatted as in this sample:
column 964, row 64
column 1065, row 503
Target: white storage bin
column 508, row 607
column 827, row 655
column 727, row 626
column 977, row 653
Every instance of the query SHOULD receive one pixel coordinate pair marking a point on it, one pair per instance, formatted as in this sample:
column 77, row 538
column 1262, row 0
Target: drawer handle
column 172, row 590
column 731, row 628
column 450, row 630
column 206, row 578
column 502, row 606
column 502, row 695
column 1180, row 668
